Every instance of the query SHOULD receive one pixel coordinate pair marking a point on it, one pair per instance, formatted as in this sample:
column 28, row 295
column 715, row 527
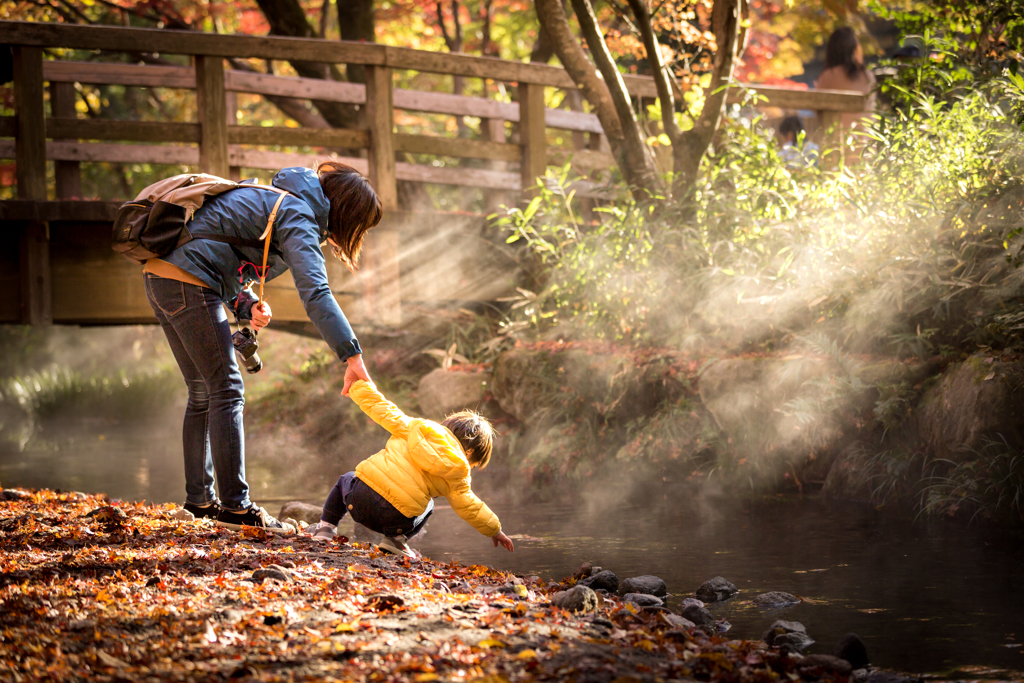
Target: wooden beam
column 8, row 126
column 298, row 137
column 98, row 151
column 583, row 160
column 301, row 88
column 63, row 210
column 262, row 159
column 36, row 280
column 109, row 129
column 106, row 73
column 231, row 120
column 68, row 174
column 493, row 130
column 213, row 144
column 456, row 147
column 532, row 134
column 30, row 123
column 463, row 177
column 380, row 121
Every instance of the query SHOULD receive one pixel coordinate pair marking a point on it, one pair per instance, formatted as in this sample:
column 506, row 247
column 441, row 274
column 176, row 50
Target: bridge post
column 493, row 130
column 380, row 120
column 211, row 97
column 68, row 174
column 532, row 135
column 30, row 160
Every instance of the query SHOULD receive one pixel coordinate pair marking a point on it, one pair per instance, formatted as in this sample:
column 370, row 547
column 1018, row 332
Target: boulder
column 775, row 599
column 851, row 648
column 716, row 590
column 972, row 402
column 576, row 599
column 442, row 392
column 678, row 621
column 691, row 601
column 642, row 600
column 826, row 662
column 781, row 628
column 699, row 616
column 272, row 572
column 303, row 512
column 602, row 580
column 647, row 584
column 794, row 641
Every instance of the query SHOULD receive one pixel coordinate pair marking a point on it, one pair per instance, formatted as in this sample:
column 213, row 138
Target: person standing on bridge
column 189, row 287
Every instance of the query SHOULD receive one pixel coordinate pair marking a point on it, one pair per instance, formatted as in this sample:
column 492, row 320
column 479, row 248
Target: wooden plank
column 532, row 134
column 572, row 120
column 786, row 98
column 98, row 151
column 298, row 137
column 583, row 160
column 106, row 73
column 464, row 177
column 109, row 129
column 36, row 281
column 493, row 130
column 456, row 147
column 380, row 121
column 213, row 143
column 67, row 174
column 231, row 119
column 119, row 39
column 8, row 126
column 457, row 105
column 477, row 67
column 252, row 158
column 61, row 210
column 302, row 88
column 30, row 123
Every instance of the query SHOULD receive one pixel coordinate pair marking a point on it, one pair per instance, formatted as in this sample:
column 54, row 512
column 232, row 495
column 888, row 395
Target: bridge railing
column 511, row 146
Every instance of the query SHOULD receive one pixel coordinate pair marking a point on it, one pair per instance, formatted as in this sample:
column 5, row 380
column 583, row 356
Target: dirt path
column 90, row 591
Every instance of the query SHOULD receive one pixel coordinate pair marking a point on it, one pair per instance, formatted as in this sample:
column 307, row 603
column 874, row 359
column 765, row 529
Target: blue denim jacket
column 300, row 228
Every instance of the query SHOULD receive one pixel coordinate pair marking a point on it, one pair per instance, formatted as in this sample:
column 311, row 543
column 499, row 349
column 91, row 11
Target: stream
column 926, row 597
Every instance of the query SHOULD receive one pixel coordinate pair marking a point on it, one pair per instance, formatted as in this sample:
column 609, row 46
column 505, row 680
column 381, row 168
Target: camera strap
column 266, row 236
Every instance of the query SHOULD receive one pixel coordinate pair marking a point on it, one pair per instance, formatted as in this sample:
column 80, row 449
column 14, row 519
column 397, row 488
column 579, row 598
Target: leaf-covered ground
column 91, row 590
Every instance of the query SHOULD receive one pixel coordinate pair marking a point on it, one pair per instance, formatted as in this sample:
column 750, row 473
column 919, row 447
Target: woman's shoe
column 255, row 516
column 322, row 531
column 396, row 545
column 209, row 511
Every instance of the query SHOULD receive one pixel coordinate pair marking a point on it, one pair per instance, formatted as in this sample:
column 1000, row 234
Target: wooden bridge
column 56, row 265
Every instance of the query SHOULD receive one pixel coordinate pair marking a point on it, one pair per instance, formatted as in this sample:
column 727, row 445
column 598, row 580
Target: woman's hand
column 261, row 315
column 355, row 371
column 504, row 540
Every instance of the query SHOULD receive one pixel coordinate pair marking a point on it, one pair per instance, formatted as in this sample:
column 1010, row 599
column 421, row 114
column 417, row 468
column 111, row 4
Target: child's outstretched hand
column 504, row 540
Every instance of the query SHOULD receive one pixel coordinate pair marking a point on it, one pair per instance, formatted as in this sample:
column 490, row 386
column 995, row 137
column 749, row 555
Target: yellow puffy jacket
column 421, row 460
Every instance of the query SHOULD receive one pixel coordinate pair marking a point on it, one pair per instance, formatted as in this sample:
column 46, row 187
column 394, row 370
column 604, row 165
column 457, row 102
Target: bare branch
column 658, row 68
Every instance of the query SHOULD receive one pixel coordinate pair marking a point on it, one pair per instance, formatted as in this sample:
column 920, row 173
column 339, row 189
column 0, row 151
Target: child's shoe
column 322, row 531
column 396, row 545
column 255, row 516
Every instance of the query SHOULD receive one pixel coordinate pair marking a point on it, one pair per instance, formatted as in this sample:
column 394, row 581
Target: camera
column 245, row 346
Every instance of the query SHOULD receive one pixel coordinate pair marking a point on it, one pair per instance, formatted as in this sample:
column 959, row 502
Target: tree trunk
column 356, row 21
column 727, row 23
column 619, row 124
column 287, row 18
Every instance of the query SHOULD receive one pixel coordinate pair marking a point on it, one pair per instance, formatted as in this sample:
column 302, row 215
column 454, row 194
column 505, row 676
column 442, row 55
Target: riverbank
column 95, row 590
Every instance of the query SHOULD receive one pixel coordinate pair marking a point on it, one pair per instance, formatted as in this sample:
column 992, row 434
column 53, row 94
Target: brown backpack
column 156, row 222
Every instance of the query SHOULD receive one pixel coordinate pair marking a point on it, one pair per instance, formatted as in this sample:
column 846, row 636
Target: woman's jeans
column 370, row 509
column 197, row 328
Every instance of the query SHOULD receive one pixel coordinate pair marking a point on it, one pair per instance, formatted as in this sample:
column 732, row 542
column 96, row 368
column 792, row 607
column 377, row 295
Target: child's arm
column 470, row 508
column 382, row 411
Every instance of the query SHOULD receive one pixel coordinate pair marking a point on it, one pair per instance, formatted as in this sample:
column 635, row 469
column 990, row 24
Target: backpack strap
column 266, row 235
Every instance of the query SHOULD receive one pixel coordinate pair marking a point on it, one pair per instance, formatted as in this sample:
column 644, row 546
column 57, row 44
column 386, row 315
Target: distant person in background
column 797, row 150
column 844, row 70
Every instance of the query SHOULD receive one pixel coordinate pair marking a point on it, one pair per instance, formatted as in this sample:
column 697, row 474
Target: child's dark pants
column 370, row 509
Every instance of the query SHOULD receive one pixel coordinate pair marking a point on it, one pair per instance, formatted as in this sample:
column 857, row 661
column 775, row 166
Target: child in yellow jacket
column 392, row 492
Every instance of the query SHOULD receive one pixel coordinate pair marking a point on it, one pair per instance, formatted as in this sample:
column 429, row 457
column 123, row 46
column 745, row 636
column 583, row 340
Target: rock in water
column 576, row 599
column 606, row 580
column 691, row 601
column 699, row 616
column 775, row 599
column 310, row 514
column 716, row 590
column 585, row 570
column 678, row 621
column 827, row 662
column 790, row 634
column 851, row 648
column 647, row 584
column 642, row 600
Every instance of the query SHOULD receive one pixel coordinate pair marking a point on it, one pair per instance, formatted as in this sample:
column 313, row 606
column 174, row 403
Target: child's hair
column 839, row 51
column 475, row 434
column 791, row 125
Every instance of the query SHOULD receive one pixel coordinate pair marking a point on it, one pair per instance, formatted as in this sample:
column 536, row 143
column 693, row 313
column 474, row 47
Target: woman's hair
column 839, row 51
column 791, row 125
column 475, row 434
column 355, row 208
